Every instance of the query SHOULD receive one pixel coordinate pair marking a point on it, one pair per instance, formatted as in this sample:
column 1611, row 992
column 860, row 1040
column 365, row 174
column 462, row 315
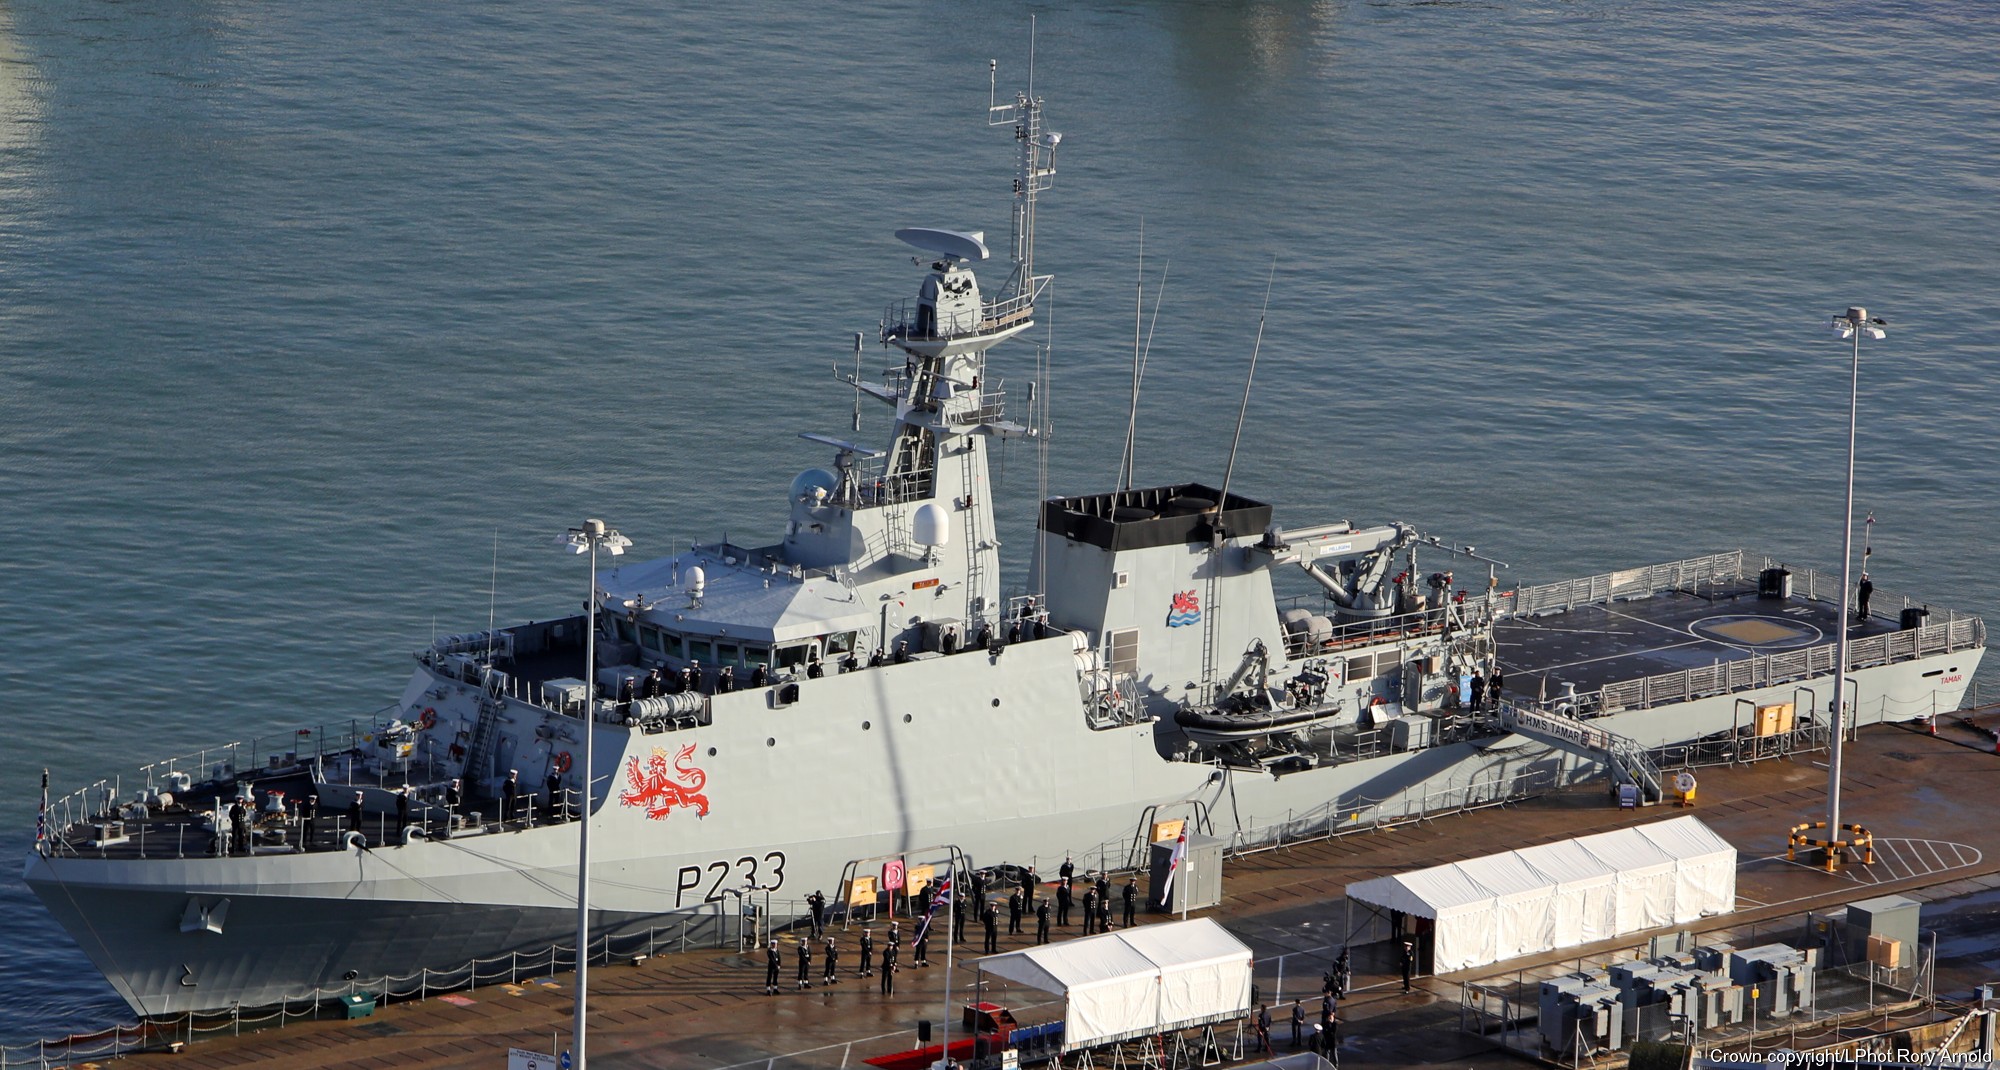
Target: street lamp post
column 589, row 538
column 1850, row 326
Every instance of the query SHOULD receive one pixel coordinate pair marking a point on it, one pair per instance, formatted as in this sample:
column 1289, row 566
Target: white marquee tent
column 1564, row 894
column 1136, row 981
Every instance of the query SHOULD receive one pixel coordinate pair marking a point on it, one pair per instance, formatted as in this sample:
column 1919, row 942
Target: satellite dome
column 813, row 479
column 696, row 579
column 929, row 526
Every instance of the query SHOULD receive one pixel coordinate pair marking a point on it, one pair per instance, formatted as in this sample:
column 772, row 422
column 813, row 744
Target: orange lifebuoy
column 562, row 761
column 428, row 718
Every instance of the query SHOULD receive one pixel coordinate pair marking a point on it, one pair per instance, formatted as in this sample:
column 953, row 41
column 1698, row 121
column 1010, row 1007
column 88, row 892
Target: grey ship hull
column 1024, row 780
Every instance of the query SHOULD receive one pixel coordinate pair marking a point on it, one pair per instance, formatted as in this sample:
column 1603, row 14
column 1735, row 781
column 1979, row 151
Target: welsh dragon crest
column 660, row 789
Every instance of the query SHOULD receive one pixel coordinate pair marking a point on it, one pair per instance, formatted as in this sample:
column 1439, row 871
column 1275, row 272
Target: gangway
column 1628, row 762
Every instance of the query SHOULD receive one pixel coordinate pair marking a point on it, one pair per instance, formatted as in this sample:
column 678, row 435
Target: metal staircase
column 975, row 571
column 485, row 736
column 1626, row 759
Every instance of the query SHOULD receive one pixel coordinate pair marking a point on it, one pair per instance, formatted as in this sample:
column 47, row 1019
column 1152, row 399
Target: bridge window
column 725, row 654
column 794, row 658
column 649, row 637
column 699, row 650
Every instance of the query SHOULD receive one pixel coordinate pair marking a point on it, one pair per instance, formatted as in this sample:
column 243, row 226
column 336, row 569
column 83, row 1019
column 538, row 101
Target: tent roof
column 1426, row 893
column 1112, row 956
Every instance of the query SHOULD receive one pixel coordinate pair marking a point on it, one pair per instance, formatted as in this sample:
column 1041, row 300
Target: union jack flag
column 941, row 899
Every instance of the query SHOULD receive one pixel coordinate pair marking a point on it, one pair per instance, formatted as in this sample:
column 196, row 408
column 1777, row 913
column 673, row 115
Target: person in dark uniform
column 1042, row 922
column 1104, row 914
column 889, row 970
column 1408, row 950
column 691, row 677
column 1068, row 870
column 921, row 907
column 1089, row 911
column 1103, row 887
column 772, row 961
column 725, row 680
column 1029, row 882
column 1131, row 894
column 402, row 809
column 1478, row 692
column 831, row 975
column 654, row 687
column 992, row 919
column 1298, row 1024
column 1343, row 975
column 674, row 682
column 1326, row 1012
column 978, row 887
column 454, row 798
column 959, row 910
column 805, row 964
column 759, row 675
column 308, row 814
column 510, row 796
column 902, row 652
column 867, row 953
column 817, row 902
column 1861, row 595
column 815, row 670
column 354, row 814
column 1063, row 900
column 920, row 952
column 1014, row 914
column 239, row 828
column 1263, row 1029
column 626, row 690
column 1495, row 684
column 558, row 804
column 877, row 659
column 849, row 663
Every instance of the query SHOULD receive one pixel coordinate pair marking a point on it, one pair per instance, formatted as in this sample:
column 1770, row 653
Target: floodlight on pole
column 588, row 539
column 1851, row 326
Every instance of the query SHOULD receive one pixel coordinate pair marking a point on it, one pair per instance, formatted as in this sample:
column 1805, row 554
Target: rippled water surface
column 307, row 309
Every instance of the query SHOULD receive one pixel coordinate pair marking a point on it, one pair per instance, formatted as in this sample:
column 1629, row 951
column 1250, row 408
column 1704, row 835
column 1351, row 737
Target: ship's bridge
column 949, row 316
column 728, row 605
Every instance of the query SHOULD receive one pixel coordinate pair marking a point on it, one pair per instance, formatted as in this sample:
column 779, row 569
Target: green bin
column 358, row 1004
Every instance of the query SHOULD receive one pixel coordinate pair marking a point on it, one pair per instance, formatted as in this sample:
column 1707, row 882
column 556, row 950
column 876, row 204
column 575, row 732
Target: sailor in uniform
column 354, row 814
column 1063, row 899
column 402, row 809
column 725, row 680
column 772, row 961
column 817, row 902
column 1131, row 899
column 1042, row 922
column 815, row 670
column 992, row 919
column 1014, row 914
column 831, row 975
column 1089, row 911
column 805, row 964
column 867, row 953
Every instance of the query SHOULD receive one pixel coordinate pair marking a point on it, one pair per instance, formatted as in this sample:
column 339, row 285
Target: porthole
column 906, row 718
column 772, row 742
column 996, row 703
column 711, row 752
column 864, row 726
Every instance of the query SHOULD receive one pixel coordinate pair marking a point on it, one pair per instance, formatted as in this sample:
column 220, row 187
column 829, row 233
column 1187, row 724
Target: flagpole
column 1189, row 860
column 950, row 930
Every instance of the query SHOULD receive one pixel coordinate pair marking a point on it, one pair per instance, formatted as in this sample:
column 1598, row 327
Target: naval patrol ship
column 1148, row 670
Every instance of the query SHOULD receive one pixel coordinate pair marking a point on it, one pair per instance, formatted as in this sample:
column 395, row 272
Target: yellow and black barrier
column 1857, row 844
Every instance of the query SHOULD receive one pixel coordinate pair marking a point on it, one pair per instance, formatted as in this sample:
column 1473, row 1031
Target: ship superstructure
column 772, row 719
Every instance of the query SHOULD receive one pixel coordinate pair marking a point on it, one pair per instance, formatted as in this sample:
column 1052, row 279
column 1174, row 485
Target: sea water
column 319, row 321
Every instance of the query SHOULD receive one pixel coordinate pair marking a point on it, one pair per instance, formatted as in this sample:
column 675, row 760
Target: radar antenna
column 1035, row 173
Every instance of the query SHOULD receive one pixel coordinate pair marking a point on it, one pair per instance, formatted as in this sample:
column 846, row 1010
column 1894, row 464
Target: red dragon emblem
column 660, row 789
